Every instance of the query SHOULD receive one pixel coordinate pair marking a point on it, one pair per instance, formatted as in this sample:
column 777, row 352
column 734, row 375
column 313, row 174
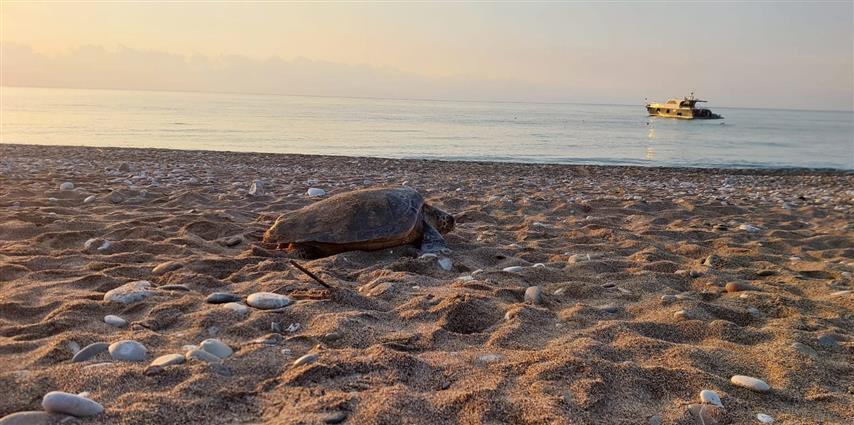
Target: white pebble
column 267, row 300
column 315, row 192
column 66, row 186
column 89, row 199
column 750, row 383
column 446, row 264
column 238, row 307
column 765, row 419
column 306, row 359
column 710, row 397
column 70, row 404
column 114, row 320
column 512, row 269
column 128, row 350
column 216, row 347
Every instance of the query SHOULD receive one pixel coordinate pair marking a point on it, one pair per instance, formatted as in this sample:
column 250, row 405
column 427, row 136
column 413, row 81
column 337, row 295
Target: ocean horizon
column 463, row 130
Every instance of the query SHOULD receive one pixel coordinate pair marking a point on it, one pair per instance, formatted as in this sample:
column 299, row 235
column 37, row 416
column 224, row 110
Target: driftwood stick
column 311, row 275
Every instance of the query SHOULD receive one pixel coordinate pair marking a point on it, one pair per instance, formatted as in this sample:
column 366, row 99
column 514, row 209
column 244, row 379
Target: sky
column 750, row 54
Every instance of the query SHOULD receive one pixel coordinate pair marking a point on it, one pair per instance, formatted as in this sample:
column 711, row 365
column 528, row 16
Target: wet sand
column 632, row 321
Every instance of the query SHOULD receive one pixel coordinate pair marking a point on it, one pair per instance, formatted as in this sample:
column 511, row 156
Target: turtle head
column 442, row 221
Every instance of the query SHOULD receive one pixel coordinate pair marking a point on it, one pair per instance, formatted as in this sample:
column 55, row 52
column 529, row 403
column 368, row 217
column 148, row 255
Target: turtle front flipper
column 432, row 241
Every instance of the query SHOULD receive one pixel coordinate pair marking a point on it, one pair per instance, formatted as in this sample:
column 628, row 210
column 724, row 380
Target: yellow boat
column 683, row 109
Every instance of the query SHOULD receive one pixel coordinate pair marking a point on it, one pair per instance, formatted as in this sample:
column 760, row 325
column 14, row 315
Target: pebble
column 335, row 417
column 765, row 419
column 89, row 199
column 222, row 298
column 512, row 269
column 763, row 273
column 706, row 414
column 128, row 351
column 306, row 359
column 174, row 287
column 216, row 347
column 695, row 273
column 840, row 293
column 666, row 299
column 750, row 383
column 90, row 351
column 237, row 307
column 116, row 321
column 710, row 397
column 490, row 358
column 805, row 350
column 257, row 188
column 116, row 197
column 828, row 341
column 33, row 418
column 267, row 300
column 534, row 295
column 168, row 360
column 315, row 192
column 166, row 267
column 130, row 292
column 738, row 286
column 749, row 228
column 202, row 355
column 711, row 260
column 233, row 241
column 446, row 264
column 73, row 347
column 66, row 186
column 70, row 404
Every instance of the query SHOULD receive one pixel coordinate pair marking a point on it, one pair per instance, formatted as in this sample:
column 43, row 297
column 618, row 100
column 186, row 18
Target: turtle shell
column 384, row 214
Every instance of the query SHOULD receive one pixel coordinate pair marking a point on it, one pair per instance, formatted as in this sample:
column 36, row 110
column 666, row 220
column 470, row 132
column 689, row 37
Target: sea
column 562, row 133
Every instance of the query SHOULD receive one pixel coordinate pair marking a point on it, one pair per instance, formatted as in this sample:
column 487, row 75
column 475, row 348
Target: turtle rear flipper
column 433, row 242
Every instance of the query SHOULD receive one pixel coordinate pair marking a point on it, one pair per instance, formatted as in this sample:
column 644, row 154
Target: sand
column 404, row 341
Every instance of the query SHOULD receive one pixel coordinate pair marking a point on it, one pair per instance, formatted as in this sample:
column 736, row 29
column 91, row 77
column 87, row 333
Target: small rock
column 174, row 287
column 512, row 269
column 73, row 347
column 104, row 246
column 222, row 298
column 202, row 355
column 805, row 350
column 116, row 197
column 128, row 351
column 841, row 293
column 711, row 260
column 753, row 311
column 315, row 192
column 70, row 404
column 267, row 300
column 89, row 199
column 828, row 341
column 66, row 186
column 168, row 360
column 710, row 397
column 707, row 414
column 306, row 359
column 90, row 351
column 748, row 228
column 534, row 295
column 216, row 347
column 667, row 299
column 237, row 307
column 334, row 417
column 130, row 292
column 738, row 286
column 34, row 418
column 257, row 188
column 124, row 167
column 233, row 241
column 446, row 264
column 695, row 273
column 750, row 383
column 166, row 267
column 489, row 358
column 763, row 273
column 765, row 419
column 116, row 321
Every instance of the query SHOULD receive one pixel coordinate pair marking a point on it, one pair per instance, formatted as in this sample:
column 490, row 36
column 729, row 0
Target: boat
column 683, row 109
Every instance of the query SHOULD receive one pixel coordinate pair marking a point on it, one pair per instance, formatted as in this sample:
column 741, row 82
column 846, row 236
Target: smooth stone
column 70, row 404
column 203, row 356
column 124, row 167
column 512, row 269
column 765, row 419
column 335, row 417
column 104, row 246
column 738, row 286
column 534, row 295
column 763, row 273
column 828, row 341
column 33, row 418
column 73, row 347
column 695, row 273
column 166, row 267
column 114, row 320
column 174, row 287
column 90, row 351
column 116, row 197
column 66, row 186
column 257, row 188
column 267, row 300
column 805, row 350
column 446, row 264
column 168, row 360
column 667, row 299
column 710, row 397
column 128, row 351
column 706, row 414
column 222, row 298
column 315, row 192
column 750, row 383
column 754, row 311
column 130, row 292
column 216, row 347
column 306, row 359
column 237, row 307
column 233, row 241
column 89, row 199
column 748, row 228
column 840, row 293
column 490, row 358
column 711, row 260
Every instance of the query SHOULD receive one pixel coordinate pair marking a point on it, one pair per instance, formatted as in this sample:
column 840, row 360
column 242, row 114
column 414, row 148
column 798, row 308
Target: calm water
column 521, row 132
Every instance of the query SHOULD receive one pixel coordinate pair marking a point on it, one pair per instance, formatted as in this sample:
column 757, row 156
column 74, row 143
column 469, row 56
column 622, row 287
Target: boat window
column 668, row 111
column 679, row 113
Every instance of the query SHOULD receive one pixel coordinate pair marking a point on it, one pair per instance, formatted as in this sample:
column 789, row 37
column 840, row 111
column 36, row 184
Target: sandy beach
column 574, row 294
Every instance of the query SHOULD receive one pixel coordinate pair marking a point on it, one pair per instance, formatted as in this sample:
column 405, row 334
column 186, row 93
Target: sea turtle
column 367, row 219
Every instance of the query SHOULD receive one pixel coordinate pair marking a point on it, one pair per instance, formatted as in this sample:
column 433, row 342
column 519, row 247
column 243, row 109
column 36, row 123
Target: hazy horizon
column 782, row 56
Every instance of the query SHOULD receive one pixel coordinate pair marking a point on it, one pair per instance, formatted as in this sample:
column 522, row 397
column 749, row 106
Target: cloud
column 129, row 68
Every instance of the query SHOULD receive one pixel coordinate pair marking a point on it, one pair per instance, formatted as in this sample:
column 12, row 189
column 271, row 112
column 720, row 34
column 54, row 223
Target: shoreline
column 782, row 170
column 573, row 294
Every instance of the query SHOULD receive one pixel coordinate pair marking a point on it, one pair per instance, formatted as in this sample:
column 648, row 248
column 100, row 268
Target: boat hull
column 668, row 111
